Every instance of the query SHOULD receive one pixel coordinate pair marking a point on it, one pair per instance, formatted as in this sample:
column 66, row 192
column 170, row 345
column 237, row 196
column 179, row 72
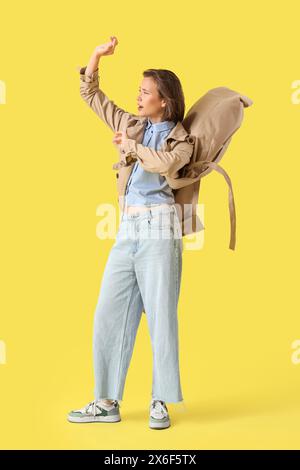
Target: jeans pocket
column 161, row 228
column 124, row 231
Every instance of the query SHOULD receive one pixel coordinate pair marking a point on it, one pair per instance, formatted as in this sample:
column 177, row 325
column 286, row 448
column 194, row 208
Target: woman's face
column 149, row 102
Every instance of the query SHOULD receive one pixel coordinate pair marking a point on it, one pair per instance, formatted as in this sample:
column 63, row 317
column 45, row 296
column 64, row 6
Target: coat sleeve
column 156, row 161
column 116, row 118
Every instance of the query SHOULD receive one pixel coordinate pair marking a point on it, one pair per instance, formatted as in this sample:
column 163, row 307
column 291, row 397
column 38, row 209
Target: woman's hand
column 120, row 138
column 104, row 49
column 107, row 48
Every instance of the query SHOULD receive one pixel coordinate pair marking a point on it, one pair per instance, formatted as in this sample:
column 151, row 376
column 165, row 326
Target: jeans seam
column 176, row 268
column 124, row 329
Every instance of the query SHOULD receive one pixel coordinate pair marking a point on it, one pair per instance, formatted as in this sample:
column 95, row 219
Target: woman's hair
column 170, row 89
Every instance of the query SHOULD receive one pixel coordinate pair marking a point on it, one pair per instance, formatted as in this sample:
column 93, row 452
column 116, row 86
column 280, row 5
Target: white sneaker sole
column 95, row 419
column 165, row 424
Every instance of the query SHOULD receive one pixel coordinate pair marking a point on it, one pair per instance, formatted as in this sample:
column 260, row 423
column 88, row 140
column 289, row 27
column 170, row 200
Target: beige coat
column 190, row 151
column 176, row 151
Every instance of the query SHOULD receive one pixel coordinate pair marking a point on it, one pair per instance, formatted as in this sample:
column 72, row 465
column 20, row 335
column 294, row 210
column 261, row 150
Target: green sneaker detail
column 94, row 412
column 159, row 416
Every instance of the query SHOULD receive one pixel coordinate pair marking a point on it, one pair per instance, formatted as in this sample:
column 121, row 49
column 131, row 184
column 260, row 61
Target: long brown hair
column 170, row 89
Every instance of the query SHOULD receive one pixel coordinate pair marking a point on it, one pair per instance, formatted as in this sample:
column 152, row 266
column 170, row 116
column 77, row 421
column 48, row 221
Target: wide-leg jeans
column 142, row 274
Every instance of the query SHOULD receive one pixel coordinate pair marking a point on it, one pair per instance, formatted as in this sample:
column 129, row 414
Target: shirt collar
column 160, row 126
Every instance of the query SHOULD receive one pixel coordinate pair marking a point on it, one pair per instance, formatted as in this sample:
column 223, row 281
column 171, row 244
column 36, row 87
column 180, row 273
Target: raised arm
column 116, row 118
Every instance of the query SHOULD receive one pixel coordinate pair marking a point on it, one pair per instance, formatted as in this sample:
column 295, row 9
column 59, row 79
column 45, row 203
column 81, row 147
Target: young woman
column 143, row 270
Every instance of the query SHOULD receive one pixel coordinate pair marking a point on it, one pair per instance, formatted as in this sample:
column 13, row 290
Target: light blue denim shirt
column 144, row 187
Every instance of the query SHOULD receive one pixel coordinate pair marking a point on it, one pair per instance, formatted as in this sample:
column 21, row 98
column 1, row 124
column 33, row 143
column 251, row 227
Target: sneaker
column 159, row 416
column 96, row 412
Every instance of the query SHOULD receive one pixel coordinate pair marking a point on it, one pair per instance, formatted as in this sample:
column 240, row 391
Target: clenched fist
column 120, row 138
column 108, row 48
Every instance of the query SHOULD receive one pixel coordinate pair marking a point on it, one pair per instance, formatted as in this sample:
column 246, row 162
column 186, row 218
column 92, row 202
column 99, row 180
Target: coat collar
column 160, row 126
column 178, row 132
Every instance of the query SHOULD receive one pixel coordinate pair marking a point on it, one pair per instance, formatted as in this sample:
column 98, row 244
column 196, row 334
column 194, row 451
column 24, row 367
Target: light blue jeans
column 142, row 273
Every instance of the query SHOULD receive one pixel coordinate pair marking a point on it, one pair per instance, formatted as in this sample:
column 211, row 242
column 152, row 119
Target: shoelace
column 93, row 404
column 160, row 406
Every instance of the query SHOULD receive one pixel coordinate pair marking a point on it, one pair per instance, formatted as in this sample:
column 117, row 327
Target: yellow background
column 238, row 310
